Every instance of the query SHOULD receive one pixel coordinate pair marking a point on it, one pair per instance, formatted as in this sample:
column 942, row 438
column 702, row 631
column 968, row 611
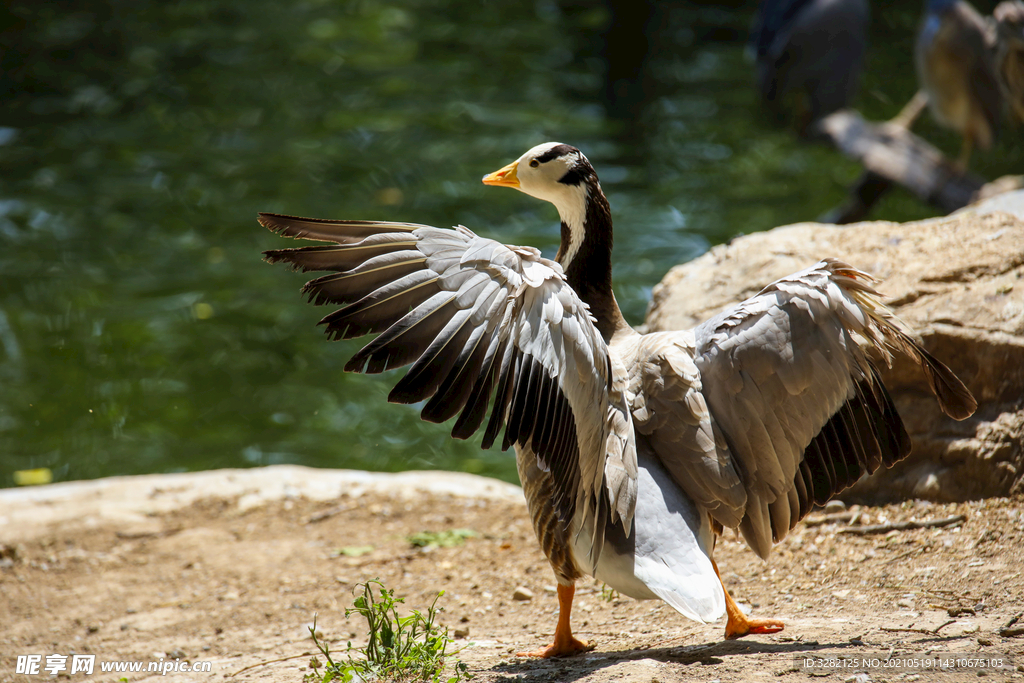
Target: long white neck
column 586, row 255
column 572, row 210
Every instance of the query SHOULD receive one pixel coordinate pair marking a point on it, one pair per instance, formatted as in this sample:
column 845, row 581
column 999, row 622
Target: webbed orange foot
column 565, row 644
column 739, row 628
column 565, row 648
column 738, row 624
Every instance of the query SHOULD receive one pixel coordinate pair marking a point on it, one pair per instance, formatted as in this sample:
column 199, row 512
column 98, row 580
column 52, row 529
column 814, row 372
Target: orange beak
column 505, row 177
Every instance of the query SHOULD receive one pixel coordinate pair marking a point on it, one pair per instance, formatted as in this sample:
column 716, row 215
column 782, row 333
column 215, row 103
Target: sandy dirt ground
column 238, row 587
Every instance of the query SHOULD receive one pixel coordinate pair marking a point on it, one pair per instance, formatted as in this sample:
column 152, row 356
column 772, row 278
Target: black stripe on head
column 555, row 152
column 581, row 170
column 576, row 175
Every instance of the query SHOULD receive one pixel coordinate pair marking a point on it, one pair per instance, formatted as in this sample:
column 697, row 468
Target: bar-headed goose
column 633, row 450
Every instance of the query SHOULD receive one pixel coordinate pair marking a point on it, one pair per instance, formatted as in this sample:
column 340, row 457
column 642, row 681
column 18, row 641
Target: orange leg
column 738, row 624
column 565, row 645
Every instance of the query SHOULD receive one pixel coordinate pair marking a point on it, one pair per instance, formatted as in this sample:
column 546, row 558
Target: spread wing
column 773, row 405
column 477, row 319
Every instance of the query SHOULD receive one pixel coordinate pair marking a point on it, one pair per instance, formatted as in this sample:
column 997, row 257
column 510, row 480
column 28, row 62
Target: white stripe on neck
column 572, row 209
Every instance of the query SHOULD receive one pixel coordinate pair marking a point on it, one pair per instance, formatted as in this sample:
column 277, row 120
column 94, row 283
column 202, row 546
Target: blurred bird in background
column 954, row 68
column 1008, row 55
column 813, row 48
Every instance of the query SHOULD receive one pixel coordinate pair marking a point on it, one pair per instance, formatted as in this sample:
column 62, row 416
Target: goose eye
column 534, row 163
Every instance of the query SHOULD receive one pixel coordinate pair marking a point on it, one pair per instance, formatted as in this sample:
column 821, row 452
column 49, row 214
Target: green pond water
column 139, row 329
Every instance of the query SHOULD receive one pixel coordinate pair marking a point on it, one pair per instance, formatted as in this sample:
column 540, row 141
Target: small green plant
column 608, row 594
column 441, row 539
column 400, row 649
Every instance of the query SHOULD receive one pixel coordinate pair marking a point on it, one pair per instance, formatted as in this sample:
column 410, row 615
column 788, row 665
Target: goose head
column 561, row 174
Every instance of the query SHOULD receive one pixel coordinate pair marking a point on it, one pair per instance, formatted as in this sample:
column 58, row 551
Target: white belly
column 668, row 554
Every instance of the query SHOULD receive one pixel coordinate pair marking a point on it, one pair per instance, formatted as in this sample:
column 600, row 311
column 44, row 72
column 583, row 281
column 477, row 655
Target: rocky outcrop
column 958, row 281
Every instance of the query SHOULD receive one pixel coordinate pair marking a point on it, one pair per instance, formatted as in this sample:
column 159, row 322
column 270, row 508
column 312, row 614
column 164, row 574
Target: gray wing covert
column 670, row 410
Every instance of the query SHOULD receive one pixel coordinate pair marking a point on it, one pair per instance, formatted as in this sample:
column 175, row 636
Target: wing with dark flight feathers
column 773, row 406
column 477, row 319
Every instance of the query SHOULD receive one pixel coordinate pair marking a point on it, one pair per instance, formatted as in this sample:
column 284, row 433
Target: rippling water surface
column 139, row 329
